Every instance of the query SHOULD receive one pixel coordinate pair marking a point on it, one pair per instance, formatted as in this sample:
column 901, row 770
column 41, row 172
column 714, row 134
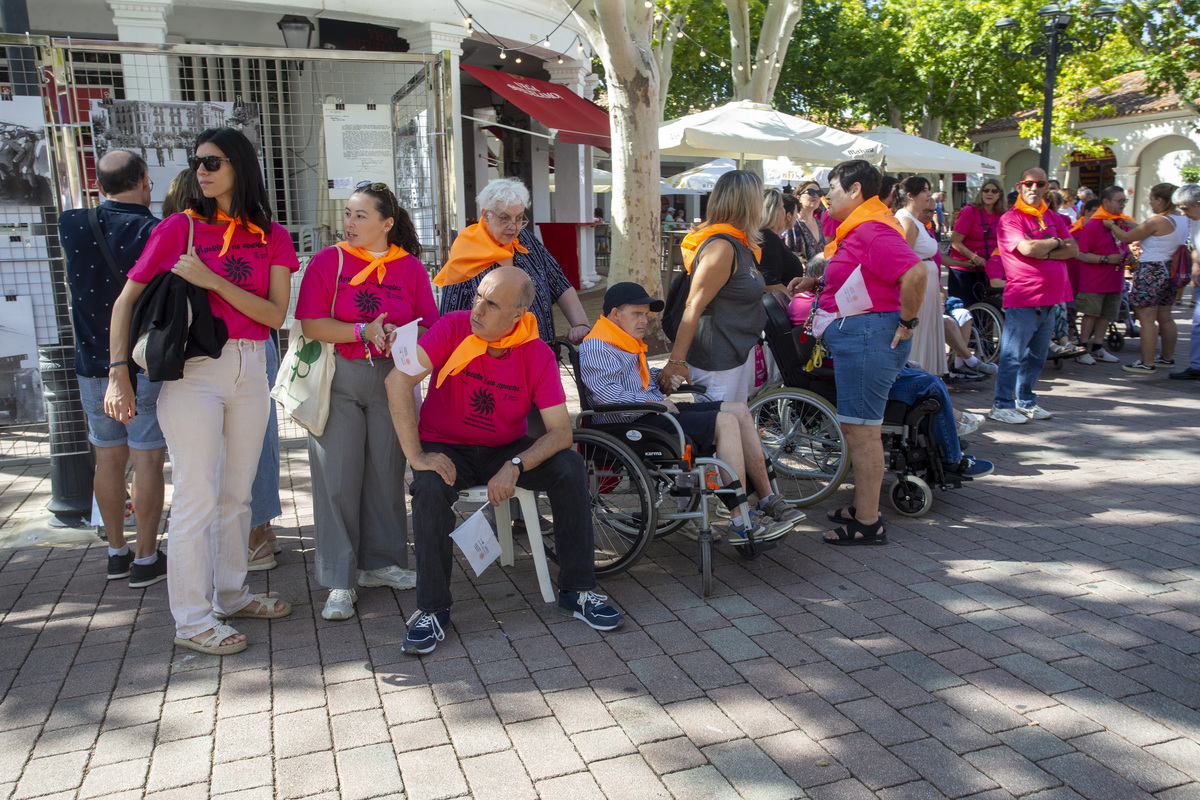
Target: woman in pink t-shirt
column 972, row 242
column 214, row 417
column 374, row 282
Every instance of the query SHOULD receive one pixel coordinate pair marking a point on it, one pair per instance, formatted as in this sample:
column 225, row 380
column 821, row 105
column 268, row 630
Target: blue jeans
column 912, row 385
column 1023, row 347
column 864, row 364
column 1194, row 347
column 264, row 492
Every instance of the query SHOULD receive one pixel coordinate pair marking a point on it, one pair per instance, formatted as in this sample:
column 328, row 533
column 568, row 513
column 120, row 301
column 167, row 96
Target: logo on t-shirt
column 367, row 304
column 237, row 270
column 483, row 402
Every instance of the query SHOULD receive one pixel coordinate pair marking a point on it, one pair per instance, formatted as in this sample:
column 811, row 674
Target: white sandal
column 212, row 644
column 273, row 608
column 261, row 563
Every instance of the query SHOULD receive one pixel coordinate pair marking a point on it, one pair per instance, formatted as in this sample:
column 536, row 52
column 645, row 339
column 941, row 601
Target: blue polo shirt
column 94, row 289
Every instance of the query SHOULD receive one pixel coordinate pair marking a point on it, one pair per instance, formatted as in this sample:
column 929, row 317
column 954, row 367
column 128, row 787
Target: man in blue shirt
column 95, row 276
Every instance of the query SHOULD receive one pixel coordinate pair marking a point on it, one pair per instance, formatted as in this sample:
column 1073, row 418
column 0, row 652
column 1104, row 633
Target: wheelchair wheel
column 987, row 322
column 704, row 561
column 622, row 501
column 801, row 434
column 911, row 496
column 1115, row 340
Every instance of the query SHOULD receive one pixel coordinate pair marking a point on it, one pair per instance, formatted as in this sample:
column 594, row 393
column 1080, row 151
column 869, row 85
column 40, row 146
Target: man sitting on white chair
column 612, row 363
column 489, row 369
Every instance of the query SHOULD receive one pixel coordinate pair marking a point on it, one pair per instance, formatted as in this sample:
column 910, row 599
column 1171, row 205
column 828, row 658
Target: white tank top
column 1162, row 248
column 925, row 246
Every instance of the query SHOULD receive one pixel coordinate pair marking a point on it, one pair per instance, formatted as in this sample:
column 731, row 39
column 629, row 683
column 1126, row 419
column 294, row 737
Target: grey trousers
column 358, row 479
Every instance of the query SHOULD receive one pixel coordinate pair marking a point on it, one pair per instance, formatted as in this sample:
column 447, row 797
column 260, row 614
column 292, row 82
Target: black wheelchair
column 798, row 424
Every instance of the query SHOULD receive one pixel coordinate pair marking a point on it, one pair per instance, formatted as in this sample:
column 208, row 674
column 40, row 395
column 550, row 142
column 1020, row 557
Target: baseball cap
column 630, row 293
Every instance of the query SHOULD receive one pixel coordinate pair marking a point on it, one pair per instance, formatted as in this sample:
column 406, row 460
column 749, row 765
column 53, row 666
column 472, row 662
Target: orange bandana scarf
column 606, row 330
column 872, row 210
column 1077, row 227
column 248, row 226
column 472, row 252
column 1102, row 215
column 473, row 347
column 1037, row 212
column 376, row 263
column 691, row 243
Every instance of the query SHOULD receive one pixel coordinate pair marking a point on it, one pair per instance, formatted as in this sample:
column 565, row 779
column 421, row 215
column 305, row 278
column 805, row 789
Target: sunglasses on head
column 211, row 163
column 1034, row 184
column 374, row 186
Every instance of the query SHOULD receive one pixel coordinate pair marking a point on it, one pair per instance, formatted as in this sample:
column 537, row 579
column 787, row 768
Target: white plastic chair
column 478, row 494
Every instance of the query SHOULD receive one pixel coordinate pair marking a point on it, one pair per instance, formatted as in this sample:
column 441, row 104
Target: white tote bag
column 306, row 375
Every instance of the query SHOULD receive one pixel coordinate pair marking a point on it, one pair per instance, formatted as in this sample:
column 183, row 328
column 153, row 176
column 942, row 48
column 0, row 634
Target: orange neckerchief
column 1102, row 215
column 608, row 331
column 1077, row 226
column 691, row 243
column 1036, row 212
column 472, row 252
column 473, row 347
column 872, row 210
column 248, row 226
column 377, row 263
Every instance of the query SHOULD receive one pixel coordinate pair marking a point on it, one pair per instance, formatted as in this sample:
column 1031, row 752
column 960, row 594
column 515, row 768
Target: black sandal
column 841, row 519
column 855, row 533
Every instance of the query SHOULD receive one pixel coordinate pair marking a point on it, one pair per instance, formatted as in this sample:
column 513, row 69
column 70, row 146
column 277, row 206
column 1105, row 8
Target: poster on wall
column 358, row 146
column 20, row 379
column 24, row 160
column 164, row 132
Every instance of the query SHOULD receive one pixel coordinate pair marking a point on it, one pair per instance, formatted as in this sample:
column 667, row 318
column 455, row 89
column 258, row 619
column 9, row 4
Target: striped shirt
column 610, row 376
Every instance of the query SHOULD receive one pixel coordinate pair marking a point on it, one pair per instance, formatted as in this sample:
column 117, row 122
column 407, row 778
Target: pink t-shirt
column 1096, row 239
column 829, row 226
column 884, row 256
column 800, row 307
column 978, row 229
column 404, row 294
column 485, row 404
column 247, row 263
column 1032, row 281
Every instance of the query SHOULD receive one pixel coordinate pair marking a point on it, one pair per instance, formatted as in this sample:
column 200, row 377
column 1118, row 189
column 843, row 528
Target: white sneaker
column 1035, row 412
column 982, row 368
column 1086, row 358
column 969, row 423
column 1009, row 415
column 1104, row 355
column 340, row 604
column 392, row 576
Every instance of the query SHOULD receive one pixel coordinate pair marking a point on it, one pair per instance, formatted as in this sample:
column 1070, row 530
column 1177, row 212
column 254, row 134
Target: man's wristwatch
column 518, row 463
column 911, row 323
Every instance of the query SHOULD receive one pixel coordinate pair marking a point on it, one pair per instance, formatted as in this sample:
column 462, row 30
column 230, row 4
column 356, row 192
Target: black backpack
column 681, row 286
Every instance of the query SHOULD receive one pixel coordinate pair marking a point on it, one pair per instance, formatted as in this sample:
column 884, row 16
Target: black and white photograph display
column 24, row 162
column 20, row 379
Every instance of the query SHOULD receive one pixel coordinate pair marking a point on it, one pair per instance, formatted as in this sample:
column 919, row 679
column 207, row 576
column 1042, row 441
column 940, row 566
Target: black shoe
column 143, row 575
column 425, row 630
column 118, row 566
column 1189, row 374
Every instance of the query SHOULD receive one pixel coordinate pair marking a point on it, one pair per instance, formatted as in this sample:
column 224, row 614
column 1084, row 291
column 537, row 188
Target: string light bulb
column 739, row 67
column 722, row 62
column 518, row 59
column 546, row 42
column 560, row 59
column 649, row 3
column 503, row 54
column 703, row 54
column 467, row 20
column 579, row 48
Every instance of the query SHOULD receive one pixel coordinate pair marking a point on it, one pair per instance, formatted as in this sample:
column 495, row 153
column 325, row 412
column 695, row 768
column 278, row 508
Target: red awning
column 576, row 121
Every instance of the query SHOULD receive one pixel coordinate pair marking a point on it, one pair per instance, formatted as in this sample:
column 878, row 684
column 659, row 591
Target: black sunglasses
column 1034, row 184
column 813, row 192
column 211, row 163
column 374, row 186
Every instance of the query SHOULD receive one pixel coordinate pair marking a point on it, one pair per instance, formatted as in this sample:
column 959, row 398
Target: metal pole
column 1048, row 100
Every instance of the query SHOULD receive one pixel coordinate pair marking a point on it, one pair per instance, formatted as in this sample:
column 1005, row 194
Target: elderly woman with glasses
column 355, row 295
column 972, row 242
column 501, row 238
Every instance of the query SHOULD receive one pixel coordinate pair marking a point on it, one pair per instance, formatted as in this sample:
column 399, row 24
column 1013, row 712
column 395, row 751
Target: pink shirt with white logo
column 404, row 294
column 1032, row 281
column 1098, row 240
column 485, row 404
column 247, row 263
column 884, row 255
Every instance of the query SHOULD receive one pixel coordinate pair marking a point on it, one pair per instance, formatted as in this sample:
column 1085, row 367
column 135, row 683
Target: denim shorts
column 142, row 433
column 864, row 364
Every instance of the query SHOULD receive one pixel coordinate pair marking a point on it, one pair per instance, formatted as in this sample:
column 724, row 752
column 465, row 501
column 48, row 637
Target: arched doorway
column 1095, row 172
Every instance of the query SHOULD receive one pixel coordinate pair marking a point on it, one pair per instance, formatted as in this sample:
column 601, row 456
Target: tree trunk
column 665, row 54
column 758, row 76
column 620, row 31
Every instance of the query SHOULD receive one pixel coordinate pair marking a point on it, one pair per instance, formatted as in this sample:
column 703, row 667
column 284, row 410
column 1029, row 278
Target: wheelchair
column 987, row 323
column 798, row 423
column 645, row 482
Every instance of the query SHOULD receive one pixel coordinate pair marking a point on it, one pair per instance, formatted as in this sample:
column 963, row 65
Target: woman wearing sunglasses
column 972, row 242
column 215, row 416
column 809, row 240
column 375, row 283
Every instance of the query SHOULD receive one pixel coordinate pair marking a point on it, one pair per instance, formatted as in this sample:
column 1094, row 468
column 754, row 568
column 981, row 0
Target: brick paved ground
column 1035, row 636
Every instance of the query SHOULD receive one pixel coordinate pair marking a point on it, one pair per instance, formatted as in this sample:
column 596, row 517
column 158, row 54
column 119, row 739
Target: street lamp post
column 1053, row 43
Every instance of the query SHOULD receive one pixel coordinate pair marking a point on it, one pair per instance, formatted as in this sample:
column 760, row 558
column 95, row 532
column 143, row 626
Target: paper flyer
column 475, row 538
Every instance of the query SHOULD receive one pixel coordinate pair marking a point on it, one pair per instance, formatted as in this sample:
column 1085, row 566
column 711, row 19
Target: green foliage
column 1167, row 36
column 1190, row 173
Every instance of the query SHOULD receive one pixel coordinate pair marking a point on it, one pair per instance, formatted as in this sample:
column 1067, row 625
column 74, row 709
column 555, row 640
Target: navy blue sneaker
column 425, row 630
column 118, row 566
column 591, row 608
column 143, row 575
column 970, row 467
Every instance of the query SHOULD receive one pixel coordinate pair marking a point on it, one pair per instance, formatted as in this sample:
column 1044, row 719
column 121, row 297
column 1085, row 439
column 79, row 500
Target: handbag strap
column 102, row 243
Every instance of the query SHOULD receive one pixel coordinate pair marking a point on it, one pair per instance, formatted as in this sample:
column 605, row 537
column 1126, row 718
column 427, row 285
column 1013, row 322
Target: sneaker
column 392, row 576
column 1086, row 358
column 781, row 510
column 118, row 566
column 969, row 423
column 970, row 467
column 340, row 604
column 1034, row 412
column 591, row 608
column 1104, row 355
column 1138, row 366
column 1186, row 374
column 1166, row 362
column 763, row 527
column 143, row 575
column 981, row 367
column 425, row 630
column 1009, row 415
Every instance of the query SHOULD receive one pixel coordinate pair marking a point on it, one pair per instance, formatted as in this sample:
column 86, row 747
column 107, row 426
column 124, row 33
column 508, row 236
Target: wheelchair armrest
column 689, row 388
column 645, row 408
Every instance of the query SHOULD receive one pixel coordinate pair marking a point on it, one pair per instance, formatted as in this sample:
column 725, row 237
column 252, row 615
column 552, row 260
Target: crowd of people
column 175, row 322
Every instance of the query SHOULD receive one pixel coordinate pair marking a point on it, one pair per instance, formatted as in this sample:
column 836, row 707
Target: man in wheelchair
column 489, row 369
column 612, row 361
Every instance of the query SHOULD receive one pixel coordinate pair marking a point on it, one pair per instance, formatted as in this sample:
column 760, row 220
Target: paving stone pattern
column 1034, row 636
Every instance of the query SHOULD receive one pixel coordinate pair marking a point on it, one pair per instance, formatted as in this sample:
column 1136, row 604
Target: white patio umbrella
column 750, row 131
column 905, row 153
column 703, row 177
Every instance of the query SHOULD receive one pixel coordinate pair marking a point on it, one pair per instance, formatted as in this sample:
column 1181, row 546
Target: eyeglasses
column 1034, row 184
column 150, row 181
column 1120, row 202
column 505, row 220
column 813, row 192
column 211, row 163
column 373, row 186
